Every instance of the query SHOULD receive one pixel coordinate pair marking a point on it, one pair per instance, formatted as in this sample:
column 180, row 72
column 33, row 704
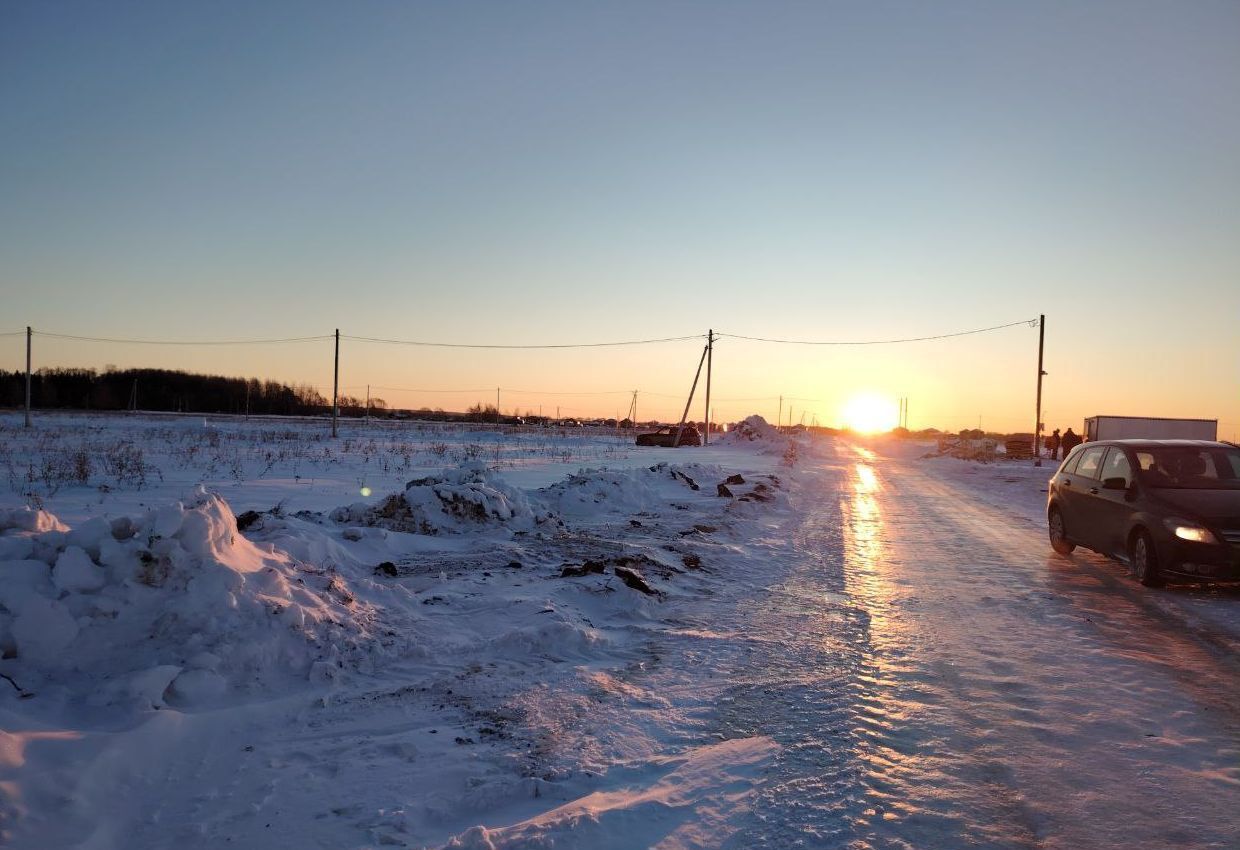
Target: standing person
column 1070, row 441
column 1052, row 443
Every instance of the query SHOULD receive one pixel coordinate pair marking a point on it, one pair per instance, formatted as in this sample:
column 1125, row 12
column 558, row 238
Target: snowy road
column 938, row 678
column 962, row 686
column 934, row 677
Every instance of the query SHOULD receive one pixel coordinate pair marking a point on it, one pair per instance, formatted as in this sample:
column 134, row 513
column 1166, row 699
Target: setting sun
column 871, row 413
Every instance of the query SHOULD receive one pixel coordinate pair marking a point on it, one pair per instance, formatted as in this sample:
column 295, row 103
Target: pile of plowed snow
column 753, row 428
column 591, row 493
column 172, row 607
column 458, row 500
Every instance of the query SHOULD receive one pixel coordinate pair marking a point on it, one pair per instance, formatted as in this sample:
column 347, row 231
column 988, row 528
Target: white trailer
column 1149, row 428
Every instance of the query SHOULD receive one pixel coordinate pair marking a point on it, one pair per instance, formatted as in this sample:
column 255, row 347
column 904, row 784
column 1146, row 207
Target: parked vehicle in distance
column 666, row 437
column 1149, row 428
column 1167, row 508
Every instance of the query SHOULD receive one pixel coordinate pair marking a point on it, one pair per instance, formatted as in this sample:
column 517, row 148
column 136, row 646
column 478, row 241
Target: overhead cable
column 525, row 346
column 183, row 341
column 1032, row 322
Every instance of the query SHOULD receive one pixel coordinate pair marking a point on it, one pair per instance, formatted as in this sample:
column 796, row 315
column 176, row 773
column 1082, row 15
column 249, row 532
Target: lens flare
column 365, row 491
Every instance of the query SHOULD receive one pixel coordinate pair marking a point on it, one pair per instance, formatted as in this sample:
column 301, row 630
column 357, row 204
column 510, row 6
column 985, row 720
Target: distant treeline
column 164, row 390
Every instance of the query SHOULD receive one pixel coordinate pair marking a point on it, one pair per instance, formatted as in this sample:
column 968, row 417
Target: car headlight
column 1190, row 531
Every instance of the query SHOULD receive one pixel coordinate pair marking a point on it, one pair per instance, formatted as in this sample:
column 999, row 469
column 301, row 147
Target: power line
column 1031, row 322
column 181, row 341
column 552, row 392
column 414, row 390
column 528, row 346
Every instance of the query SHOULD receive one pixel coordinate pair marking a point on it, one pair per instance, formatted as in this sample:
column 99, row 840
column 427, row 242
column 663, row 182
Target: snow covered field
column 560, row 640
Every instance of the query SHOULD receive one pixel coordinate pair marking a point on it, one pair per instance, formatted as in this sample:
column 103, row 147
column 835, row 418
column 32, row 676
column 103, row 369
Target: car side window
column 1091, row 461
column 1117, row 466
column 1069, row 463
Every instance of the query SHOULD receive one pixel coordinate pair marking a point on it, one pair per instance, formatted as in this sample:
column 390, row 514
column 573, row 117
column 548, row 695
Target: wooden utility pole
column 28, row 335
column 497, row 406
column 1037, row 425
column 681, row 427
column 248, row 385
column 336, row 386
column 710, row 351
column 780, row 417
column 368, row 402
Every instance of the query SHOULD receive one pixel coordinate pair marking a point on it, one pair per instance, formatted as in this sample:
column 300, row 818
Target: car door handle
column 1093, row 491
column 1067, row 482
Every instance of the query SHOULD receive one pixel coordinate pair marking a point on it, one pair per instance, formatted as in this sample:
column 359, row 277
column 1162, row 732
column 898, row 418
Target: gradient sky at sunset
column 561, row 172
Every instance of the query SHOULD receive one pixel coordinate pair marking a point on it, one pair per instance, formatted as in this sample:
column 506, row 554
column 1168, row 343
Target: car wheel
column 1145, row 560
column 1059, row 538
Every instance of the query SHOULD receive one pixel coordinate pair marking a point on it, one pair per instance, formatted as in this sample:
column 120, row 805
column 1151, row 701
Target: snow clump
column 458, row 500
column 174, row 607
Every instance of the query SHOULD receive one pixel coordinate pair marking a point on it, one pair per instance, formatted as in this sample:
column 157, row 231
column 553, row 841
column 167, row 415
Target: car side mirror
column 1115, row 484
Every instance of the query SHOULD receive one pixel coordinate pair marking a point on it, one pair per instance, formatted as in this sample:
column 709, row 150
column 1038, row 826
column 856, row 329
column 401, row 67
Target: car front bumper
column 1202, row 561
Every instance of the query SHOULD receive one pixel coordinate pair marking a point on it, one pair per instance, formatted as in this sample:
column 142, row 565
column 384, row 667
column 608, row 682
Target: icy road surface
column 931, row 676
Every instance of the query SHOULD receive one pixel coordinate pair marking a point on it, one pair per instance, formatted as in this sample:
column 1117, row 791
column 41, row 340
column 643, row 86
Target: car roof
column 1162, row 444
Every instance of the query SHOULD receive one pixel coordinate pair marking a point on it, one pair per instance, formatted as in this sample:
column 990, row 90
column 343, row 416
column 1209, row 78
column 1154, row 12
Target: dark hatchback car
column 1167, row 508
column 666, row 437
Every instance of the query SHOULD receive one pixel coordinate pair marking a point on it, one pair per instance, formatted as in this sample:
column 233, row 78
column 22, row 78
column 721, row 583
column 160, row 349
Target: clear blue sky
column 563, row 171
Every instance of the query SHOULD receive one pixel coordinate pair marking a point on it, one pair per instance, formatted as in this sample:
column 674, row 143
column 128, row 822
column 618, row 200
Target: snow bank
column 173, row 607
column 594, row 493
column 752, row 428
column 589, row 492
column 458, row 500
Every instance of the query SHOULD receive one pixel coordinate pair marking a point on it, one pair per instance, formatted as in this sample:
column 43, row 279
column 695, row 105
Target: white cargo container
column 1149, row 428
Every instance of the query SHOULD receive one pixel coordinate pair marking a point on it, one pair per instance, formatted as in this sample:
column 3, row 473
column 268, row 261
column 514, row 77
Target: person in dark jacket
column 1070, row 441
column 1052, row 443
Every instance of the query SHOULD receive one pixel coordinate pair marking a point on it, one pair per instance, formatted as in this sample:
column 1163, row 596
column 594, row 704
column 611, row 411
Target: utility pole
column 779, row 418
column 133, row 396
column 247, row 401
column 497, row 406
column 28, row 335
column 368, row 402
column 710, row 351
column 336, row 385
column 681, row 427
column 1037, row 425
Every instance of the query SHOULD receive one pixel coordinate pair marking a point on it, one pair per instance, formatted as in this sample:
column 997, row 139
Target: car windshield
column 1190, row 468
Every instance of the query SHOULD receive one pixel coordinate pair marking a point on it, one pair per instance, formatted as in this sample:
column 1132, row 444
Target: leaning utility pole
column 681, row 427
column 1037, row 425
column 28, row 335
column 710, row 351
column 336, row 385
